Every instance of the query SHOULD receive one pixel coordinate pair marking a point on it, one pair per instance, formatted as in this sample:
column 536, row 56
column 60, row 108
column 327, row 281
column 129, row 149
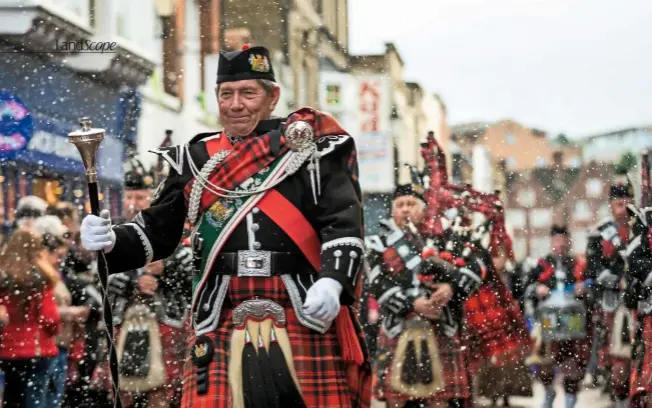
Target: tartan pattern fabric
column 453, row 360
column 325, row 380
column 641, row 373
column 495, row 329
column 254, row 154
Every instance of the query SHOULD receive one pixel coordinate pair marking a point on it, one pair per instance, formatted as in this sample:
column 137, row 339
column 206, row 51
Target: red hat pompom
column 246, row 47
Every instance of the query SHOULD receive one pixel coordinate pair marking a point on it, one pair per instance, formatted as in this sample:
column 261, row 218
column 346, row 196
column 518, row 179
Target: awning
column 49, row 148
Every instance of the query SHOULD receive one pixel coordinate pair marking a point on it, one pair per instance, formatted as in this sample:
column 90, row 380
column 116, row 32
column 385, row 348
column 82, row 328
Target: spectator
column 56, row 245
column 27, row 344
column 28, row 209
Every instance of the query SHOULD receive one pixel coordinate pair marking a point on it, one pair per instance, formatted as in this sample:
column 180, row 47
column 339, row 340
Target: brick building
column 556, row 194
column 521, row 147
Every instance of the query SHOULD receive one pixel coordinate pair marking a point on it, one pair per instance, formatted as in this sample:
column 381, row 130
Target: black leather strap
column 280, row 263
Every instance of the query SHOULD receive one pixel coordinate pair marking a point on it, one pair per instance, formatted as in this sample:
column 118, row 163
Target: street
column 588, row 398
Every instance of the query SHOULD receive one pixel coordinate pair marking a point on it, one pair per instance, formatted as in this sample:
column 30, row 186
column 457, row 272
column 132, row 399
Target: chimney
column 558, row 159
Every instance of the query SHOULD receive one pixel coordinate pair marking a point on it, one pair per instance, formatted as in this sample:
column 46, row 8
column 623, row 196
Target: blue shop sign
column 16, row 126
column 43, row 141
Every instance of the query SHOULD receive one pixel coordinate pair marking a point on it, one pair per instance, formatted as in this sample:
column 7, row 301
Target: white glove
column 323, row 300
column 96, row 233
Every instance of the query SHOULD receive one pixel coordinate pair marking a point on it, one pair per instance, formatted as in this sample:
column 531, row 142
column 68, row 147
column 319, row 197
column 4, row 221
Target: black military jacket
column 337, row 218
column 395, row 262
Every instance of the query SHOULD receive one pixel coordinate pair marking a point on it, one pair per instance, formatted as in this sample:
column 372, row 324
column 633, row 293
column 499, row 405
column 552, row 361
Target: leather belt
column 261, row 263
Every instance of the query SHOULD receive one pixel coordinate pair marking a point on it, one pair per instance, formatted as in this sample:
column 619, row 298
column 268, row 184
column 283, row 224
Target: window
column 80, row 8
column 594, row 188
column 540, row 217
column 516, row 219
column 172, row 58
column 333, row 94
column 510, row 139
column 582, row 211
column 539, row 246
column 511, row 163
column 527, row 197
column 575, row 162
column 541, row 162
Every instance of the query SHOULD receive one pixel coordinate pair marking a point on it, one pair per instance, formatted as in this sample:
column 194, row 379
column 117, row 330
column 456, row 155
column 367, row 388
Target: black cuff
column 341, row 260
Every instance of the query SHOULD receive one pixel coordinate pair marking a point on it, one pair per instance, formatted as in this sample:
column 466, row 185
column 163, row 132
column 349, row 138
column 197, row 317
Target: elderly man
column 276, row 212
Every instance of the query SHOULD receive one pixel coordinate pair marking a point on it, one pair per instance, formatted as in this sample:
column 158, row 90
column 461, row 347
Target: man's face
column 407, row 207
column 243, row 104
column 135, row 201
column 619, row 209
column 560, row 244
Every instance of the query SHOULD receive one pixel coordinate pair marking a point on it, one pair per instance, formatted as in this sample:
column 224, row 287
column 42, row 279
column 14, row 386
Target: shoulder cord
column 298, row 158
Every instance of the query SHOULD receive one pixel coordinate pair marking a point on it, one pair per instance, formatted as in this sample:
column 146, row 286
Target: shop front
column 40, row 103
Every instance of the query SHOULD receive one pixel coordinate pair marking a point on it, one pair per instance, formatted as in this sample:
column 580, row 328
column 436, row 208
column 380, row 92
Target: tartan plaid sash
column 253, row 154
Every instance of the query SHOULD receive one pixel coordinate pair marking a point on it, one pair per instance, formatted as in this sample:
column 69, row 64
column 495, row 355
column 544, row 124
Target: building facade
column 521, row 148
column 46, row 87
column 609, row 147
column 576, row 197
column 180, row 95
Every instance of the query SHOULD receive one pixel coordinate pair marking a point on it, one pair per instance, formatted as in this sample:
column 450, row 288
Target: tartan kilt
column 173, row 343
column 641, row 373
column 455, row 373
column 325, row 379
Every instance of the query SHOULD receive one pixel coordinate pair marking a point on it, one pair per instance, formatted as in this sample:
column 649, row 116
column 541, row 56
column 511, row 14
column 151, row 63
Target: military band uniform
column 152, row 351
column 570, row 357
column 638, row 298
column 395, row 260
column 605, row 263
column 291, row 219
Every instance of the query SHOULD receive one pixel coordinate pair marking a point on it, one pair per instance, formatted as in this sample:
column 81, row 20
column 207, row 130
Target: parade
column 307, row 230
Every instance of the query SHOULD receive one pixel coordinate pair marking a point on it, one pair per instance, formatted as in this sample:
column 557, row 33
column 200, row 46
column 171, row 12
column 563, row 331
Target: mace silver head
column 87, row 141
column 299, row 135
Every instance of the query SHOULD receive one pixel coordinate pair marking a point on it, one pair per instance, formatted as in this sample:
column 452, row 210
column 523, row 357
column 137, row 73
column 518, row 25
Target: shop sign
column 49, row 143
column 16, row 126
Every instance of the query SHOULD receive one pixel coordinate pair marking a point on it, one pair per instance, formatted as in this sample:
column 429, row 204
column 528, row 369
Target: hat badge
column 201, row 350
column 299, row 135
column 259, row 63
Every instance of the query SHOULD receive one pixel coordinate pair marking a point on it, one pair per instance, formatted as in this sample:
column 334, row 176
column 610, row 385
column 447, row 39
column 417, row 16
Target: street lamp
column 165, row 9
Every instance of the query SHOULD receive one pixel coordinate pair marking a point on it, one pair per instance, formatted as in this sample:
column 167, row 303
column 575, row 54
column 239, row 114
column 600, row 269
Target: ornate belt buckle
column 255, row 263
column 258, row 309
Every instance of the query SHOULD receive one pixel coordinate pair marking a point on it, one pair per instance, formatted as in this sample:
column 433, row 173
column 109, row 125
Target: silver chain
column 202, row 182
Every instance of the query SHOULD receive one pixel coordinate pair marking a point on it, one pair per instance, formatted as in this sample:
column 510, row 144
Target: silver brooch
column 299, row 135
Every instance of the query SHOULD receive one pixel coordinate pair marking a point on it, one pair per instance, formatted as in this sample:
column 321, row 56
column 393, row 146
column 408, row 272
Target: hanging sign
column 16, row 126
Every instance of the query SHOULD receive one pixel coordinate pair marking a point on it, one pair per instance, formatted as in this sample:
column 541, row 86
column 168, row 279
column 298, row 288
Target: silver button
column 255, row 210
column 353, row 254
column 255, row 227
column 337, row 253
column 206, row 307
column 257, row 245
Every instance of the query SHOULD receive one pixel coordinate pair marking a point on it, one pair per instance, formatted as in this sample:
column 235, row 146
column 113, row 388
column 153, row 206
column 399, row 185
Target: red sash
column 294, row 224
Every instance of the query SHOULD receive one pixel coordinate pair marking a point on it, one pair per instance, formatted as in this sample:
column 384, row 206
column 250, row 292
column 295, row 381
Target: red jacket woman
column 27, row 342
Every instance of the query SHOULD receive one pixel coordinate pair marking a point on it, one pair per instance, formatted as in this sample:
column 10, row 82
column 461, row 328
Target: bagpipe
column 495, row 328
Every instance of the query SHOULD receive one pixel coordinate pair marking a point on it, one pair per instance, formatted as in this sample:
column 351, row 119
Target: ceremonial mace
column 87, row 140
